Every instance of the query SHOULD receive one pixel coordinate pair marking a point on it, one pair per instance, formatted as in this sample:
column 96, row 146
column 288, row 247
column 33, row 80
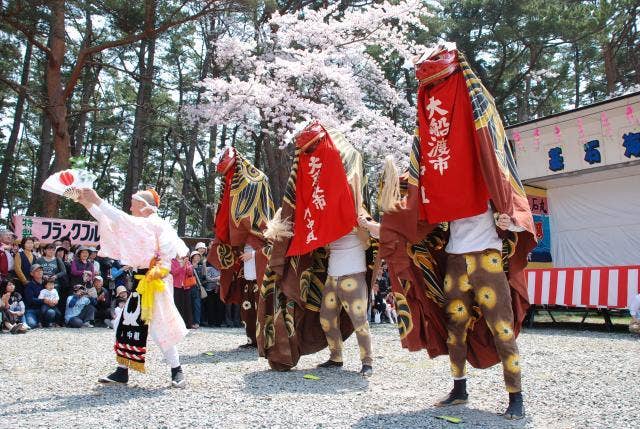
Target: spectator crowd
column 58, row 284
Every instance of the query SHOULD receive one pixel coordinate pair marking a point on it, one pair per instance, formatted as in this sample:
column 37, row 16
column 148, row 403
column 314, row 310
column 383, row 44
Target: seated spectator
column 634, row 309
column 379, row 306
column 117, row 304
column 66, row 243
column 80, row 312
column 13, row 309
column 98, row 294
column 22, row 263
column 51, row 265
column 82, row 269
column 50, row 298
column 35, row 316
column 392, row 315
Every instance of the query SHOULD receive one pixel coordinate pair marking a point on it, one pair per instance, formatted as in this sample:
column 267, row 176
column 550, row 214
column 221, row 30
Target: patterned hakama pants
column 249, row 309
column 348, row 292
column 476, row 284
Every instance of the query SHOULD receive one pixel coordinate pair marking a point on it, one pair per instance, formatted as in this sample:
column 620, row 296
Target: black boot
column 121, row 375
column 330, row 364
column 457, row 396
column 515, row 410
column 177, row 378
column 366, row 371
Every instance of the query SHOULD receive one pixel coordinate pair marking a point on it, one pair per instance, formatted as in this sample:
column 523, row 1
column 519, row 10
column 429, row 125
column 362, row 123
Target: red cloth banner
column 223, row 215
column 450, row 176
column 325, row 209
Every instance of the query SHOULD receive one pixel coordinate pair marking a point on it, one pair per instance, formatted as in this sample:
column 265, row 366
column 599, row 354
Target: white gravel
column 572, row 379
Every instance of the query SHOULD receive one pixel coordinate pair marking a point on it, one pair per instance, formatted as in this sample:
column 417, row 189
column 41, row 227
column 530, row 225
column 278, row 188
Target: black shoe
column 121, row 375
column 515, row 410
column 248, row 346
column 457, row 396
column 366, row 371
column 177, row 378
column 330, row 364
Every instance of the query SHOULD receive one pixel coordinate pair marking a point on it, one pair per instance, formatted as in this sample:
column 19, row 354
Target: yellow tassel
column 150, row 284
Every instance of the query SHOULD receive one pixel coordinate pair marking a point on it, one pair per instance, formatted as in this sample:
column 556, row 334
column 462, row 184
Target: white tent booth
column 581, row 169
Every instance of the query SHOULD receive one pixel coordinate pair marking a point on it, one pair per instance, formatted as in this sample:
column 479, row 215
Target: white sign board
column 602, row 135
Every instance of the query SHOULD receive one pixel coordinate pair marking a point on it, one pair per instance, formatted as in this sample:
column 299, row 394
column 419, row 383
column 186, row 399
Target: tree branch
column 27, row 33
column 85, row 53
column 19, row 89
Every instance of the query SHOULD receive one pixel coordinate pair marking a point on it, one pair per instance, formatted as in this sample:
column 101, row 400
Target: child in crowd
column 392, row 315
column 117, row 305
column 50, row 298
column 13, row 310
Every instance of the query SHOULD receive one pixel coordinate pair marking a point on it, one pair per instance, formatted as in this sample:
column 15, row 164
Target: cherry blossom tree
column 317, row 64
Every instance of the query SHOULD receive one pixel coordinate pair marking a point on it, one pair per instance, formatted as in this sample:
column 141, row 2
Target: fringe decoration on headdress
column 390, row 189
column 277, row 228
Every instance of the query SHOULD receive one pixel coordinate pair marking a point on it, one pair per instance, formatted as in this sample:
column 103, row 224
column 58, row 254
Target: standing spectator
column 13, row 309
column 102, row 300
column 181, row 271
column 50, row 298
column 37, row 250
column 66, row 243
column 80, row 312
column 213, row 306
column 51, row 265
column 64, row 288
column 634, row 309
column 22, row 263
column 122, row 275
column 196, row 294
column 6, row 253
column 34, row 315
column 93, row 255
column 82, row 269
column 201, row 248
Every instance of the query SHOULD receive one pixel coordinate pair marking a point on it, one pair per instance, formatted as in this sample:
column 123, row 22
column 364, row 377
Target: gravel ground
column 572, row 379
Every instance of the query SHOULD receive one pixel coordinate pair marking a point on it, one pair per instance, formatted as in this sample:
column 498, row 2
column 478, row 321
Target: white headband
column 139, row 197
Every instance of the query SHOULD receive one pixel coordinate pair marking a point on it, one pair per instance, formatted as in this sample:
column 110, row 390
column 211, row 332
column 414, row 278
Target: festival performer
column 464, row 197
column 242, row 216
column 307, row 293
column 148, row 243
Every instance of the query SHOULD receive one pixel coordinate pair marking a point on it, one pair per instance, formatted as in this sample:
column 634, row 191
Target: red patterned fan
column 67, row 183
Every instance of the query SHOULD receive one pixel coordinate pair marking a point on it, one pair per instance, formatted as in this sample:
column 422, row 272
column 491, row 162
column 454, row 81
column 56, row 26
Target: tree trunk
column 610, row 71
column 89, row 81
column 44, row 166
column 277, row 166
column 17, row 121
column 57, row 109
column 143, row 109
column 576, row 70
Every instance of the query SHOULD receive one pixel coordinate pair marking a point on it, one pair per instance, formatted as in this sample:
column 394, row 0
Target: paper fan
column 67, row 182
